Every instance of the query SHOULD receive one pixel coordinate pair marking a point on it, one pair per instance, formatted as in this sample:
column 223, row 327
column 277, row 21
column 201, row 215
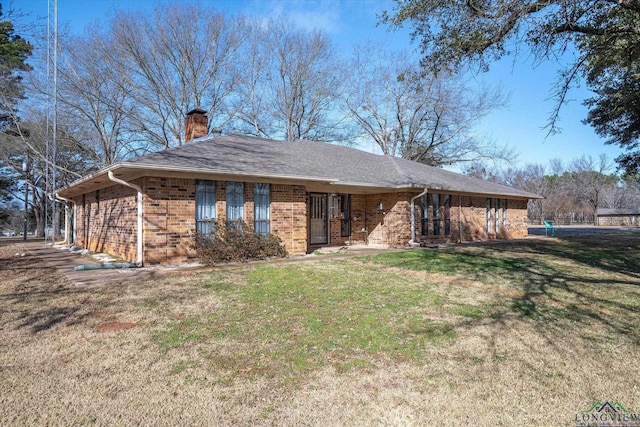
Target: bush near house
column 236, row 242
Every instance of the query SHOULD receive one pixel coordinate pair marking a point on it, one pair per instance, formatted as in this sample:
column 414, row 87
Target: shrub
column 236, row 242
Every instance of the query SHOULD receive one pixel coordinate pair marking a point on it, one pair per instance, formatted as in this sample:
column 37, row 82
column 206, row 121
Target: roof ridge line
column 402, row 175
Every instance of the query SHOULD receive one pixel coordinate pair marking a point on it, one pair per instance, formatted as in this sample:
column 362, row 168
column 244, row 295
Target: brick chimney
column 196, row 125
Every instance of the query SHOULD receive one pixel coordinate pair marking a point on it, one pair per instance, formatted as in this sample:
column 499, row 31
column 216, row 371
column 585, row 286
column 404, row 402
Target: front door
column 318, row 219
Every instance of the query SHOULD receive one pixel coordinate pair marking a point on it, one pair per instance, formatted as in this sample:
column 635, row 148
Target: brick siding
column 106, row 219
column 392, row 225
column 289, row 216
column 169, row 220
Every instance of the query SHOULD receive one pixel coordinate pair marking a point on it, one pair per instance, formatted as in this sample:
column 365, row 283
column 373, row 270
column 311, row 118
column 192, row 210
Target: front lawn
column 530, row 332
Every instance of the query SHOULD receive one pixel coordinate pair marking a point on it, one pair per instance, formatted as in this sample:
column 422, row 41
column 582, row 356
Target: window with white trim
column 261, row 203
column 447, row 214
column 424, row 211
column 435, row 198
column 205, row 205
column 235, row 202
column 504, row 214
column 345, row 219
column 440, row 214
column 489, row 222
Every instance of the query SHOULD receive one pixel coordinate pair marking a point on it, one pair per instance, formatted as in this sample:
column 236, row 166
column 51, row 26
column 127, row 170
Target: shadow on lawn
column 564, row 282
column 37, row 297
column 554, row 283
column 568, row 292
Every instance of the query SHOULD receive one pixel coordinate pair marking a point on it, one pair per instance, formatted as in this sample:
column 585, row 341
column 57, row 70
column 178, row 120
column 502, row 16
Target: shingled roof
column 617, row 212
column 339, row 165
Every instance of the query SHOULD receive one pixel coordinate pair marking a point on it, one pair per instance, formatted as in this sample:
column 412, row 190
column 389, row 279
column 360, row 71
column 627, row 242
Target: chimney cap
column 196, row 111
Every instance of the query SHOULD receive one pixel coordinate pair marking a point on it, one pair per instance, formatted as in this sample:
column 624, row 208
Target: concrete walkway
column 65, row 261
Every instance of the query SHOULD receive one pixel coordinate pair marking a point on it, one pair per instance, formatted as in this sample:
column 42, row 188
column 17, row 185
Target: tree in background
column 124, row 89
column 71, row 164
column 613, row 73
column 14, row 52
column 290, row 84
column 572, row 192
column 603, row 33
column 6, row 182
column 588, row 180
column 415, row 115
column 180, row 57
column 94, row 99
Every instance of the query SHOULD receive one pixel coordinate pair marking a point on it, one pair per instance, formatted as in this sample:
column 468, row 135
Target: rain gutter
column 139, row 215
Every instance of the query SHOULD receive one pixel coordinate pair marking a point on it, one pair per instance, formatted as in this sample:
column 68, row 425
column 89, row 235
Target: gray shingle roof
column 316, row 160
column 311, row 161
column 614, row 212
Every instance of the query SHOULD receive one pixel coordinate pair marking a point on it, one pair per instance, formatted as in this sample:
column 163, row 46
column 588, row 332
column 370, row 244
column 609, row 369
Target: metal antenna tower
column 51, row 154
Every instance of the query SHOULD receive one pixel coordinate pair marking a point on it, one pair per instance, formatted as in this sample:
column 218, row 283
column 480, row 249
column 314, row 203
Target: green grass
column 287, row 319
column 339, row 341
column 469, row 311
column 554, row 279
column 473, row 263
column 298, row 317
column 180, row 332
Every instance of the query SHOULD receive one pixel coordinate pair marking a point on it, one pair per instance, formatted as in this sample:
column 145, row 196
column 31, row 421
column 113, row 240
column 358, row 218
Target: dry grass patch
column 508, row 333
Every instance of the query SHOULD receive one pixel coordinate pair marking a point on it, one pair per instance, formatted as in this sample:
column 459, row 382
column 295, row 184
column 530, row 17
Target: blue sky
column 347, row 22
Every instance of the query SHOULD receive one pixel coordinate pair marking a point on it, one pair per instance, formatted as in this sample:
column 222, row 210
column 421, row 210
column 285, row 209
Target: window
column 496, row 214
column 435, row 198
column 345, row 221
column 424, row 208
column 205, row 205
column 235, row 202
column 441, row 214
column 447, row 215
column 489, row 228
column 261, row 202
column 334, row 205
column 504, row 214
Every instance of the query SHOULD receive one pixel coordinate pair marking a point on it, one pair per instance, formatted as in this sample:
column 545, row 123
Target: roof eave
column 124, row 168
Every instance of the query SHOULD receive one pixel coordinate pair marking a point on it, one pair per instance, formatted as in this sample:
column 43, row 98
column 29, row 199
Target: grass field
column 529, row 332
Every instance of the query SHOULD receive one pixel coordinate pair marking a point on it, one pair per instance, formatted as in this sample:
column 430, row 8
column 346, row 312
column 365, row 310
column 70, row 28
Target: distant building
column 619, row 217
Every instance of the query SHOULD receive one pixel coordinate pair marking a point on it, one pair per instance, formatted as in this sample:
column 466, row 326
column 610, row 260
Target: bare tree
column 291, row 83
column 629, row 186
column 177, row 58
column 589, row 179
column 29, row 145
column 415, row 115
column 94, row 98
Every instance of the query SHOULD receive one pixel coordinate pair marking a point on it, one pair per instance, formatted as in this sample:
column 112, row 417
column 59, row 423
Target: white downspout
column 139, row 190
column 67, row 223
column 412, row 242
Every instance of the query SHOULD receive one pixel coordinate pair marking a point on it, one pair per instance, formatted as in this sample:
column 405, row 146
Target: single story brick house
column 619, row 217
column 310, row 194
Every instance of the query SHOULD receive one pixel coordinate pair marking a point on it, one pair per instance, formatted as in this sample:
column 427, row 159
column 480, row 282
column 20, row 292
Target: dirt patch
column 116, row 326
